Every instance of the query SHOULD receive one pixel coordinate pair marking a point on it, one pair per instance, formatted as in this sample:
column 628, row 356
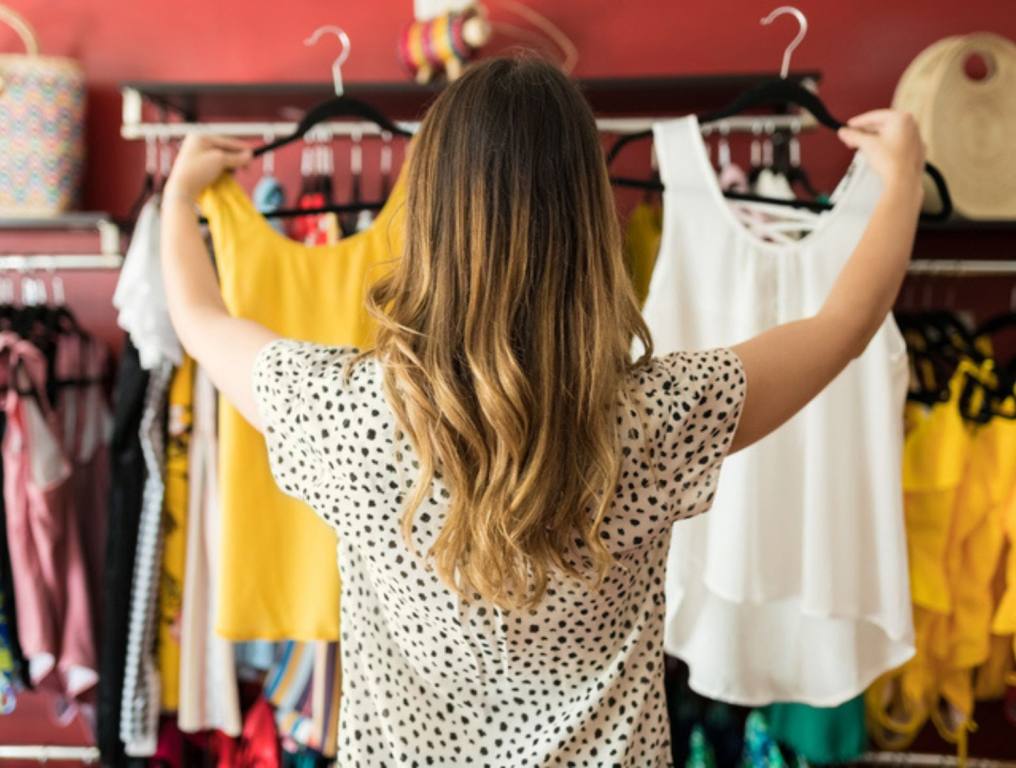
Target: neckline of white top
column 841, row 196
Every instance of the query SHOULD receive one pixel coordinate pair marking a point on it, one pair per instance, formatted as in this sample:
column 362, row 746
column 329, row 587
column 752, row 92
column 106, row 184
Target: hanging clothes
column 304, row 688
column 209, row 699
column 53, row 599
column 140, row 295
column 87, row 422
column 269, row 558
column 794, row 587
column 821, row 735
column 125, row 500
column 642, row 244
column 139, row 716
column 174, row 532
column 960, row 482
column 269, row 195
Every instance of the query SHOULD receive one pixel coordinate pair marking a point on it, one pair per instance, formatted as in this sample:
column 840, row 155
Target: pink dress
column 50, row 575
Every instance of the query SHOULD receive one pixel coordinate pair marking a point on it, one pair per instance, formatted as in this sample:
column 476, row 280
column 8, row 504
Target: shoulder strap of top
column 677, row 152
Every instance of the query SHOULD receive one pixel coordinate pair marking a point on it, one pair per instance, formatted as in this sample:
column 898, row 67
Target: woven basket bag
column 42, row 109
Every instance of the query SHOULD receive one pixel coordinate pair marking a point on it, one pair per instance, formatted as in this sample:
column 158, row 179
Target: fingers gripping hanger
column 781, row 91
column 339, row 106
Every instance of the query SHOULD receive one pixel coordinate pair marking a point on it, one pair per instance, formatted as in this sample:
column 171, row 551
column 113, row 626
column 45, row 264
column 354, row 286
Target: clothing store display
column 139, row 716
column 127, row 481
column 208, row 689
column 140, row 295
column 959, row 474
column 821, row 735
column 268, row 559
column 174, row 532
column 641, row 244
column 794, row 587
column 398, row 618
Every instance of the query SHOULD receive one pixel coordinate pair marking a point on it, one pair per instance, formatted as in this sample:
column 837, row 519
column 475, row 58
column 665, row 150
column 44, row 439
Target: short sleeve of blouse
column 695, row 401
column 296, row 384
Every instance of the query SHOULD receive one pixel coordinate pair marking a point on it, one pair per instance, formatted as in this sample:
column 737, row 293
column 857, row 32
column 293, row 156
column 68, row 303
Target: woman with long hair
column 502, row 475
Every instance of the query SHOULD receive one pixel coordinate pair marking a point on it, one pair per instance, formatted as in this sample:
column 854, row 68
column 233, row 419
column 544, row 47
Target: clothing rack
column 161, row 131
column 45, row 754
column 928, row 760
column 108, row 256
column 47, row 262
column 962, row 267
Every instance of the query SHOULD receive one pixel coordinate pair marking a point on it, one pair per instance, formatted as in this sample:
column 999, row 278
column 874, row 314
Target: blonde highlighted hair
column 505, row 329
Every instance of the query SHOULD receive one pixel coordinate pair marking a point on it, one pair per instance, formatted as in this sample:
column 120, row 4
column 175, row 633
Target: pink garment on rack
column 86, row 423
column 52, row 594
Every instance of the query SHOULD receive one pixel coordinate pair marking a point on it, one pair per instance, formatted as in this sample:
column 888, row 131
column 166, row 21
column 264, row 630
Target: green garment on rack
column 820, row 734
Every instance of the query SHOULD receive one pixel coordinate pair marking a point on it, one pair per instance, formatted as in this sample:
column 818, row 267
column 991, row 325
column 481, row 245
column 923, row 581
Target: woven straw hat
column 969, row 125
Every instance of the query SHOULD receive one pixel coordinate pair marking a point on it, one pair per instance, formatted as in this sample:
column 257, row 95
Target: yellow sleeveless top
column 641, row 244
column 174, row 527
column 960, row 491
column 278, row 577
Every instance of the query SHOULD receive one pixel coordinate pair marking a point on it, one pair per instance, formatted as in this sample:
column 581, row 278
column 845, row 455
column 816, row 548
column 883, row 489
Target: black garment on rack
column 7, row 582
column 127, row 481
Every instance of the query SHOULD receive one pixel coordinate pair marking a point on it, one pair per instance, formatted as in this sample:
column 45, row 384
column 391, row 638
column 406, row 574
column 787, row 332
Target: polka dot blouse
column 430, row 679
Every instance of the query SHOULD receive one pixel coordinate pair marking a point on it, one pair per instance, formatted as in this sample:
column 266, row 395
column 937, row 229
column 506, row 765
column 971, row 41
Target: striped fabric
column 305, row 687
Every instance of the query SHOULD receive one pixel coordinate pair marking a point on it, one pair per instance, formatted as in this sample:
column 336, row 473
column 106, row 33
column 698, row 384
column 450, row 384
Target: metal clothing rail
column 928, row 760
column 45, row 262
column 962, row 268
column 153, row 131
column 45, row 754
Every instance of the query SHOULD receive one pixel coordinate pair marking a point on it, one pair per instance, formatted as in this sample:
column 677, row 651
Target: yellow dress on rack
column 174, row 526
column 998, row 672
column 641, row 244
column 935, row 451
column 959, row 478
column 278, row 577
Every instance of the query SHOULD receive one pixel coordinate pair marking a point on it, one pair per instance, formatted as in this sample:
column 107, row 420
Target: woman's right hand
column 200, row 162
column 891, row 142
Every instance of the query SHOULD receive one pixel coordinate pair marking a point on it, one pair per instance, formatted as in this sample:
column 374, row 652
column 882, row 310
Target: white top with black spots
column 430, row 679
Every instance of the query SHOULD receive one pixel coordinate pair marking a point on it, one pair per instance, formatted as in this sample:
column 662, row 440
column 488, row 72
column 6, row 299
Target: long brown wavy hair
column 505, row 329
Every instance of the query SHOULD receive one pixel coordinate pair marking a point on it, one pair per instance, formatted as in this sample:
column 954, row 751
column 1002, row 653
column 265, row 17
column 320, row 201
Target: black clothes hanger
column 999, row 323
column 339, row 106
column 778, row 92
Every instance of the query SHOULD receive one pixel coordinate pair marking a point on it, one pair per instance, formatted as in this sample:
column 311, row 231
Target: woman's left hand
column 200, row 161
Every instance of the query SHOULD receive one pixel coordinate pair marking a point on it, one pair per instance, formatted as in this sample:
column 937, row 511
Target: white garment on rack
column 140, row 295
column 208, row 692
column 794, row 587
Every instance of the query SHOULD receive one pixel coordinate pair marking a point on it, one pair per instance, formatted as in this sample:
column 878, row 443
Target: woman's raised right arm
column 790, row 364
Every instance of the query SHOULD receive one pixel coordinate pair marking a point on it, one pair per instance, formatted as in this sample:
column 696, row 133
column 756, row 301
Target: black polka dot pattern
column 431, row 679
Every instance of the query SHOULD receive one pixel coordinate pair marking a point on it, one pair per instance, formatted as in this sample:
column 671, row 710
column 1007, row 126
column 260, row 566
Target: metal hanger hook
column 343, row 54
column 802, row 21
